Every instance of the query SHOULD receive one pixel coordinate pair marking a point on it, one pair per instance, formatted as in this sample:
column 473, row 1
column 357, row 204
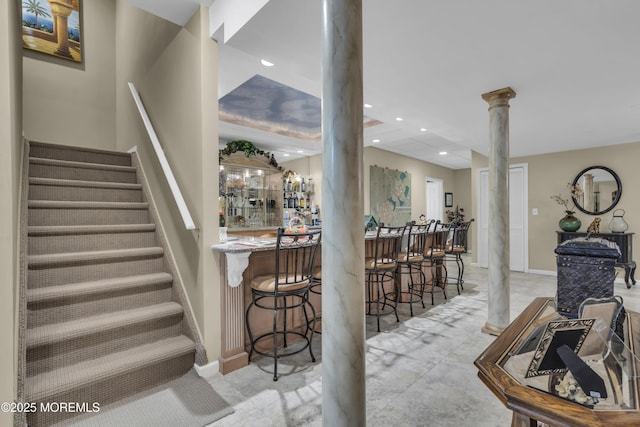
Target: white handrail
column 168, row 173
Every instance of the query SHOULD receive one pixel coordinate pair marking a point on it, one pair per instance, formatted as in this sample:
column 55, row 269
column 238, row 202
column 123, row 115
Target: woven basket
column 586, row 269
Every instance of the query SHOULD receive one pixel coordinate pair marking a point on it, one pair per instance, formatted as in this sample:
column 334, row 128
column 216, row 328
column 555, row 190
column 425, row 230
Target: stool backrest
column 295, row 256
column 387, row 245
column 459, row 235
column 417, row 241
column 439, row 235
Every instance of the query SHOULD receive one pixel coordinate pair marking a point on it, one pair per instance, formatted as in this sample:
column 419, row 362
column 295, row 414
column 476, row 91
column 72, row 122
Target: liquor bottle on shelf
column 285, row 203
column 310, row 185
column 290, row 200
column 308, row 201
column 289, row 185
column 302, row 201
column 303, row 186
column 296, row 202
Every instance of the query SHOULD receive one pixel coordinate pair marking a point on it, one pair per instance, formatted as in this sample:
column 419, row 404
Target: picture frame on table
column 570, row 332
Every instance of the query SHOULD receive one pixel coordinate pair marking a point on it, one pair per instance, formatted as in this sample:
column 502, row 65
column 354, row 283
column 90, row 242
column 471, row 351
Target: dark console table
column 624, row 242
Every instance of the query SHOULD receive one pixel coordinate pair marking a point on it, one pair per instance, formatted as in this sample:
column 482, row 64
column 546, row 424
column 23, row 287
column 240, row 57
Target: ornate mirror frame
column 615, row 195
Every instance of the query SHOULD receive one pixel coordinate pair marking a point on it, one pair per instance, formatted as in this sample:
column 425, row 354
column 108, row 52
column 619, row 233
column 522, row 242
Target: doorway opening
column 434, row 198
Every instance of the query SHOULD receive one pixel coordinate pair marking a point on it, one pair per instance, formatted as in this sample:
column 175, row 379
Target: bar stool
column 456, row 246
column 410, row 262
column 315, row 288
column 380, row 269
column 435, row 255
column 285, row 290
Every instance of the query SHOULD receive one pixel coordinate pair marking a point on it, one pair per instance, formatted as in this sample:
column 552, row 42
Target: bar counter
column 242, row 258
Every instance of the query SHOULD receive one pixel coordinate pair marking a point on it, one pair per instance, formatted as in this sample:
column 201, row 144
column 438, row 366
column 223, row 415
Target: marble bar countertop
column 238, row 244
column 231, row 229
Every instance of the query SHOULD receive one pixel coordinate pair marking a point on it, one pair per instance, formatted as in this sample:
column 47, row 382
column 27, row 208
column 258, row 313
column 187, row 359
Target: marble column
column 343, row 318
column 498, row 318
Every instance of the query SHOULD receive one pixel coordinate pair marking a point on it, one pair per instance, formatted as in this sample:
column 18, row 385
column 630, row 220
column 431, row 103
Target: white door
column 434, row 198
column 518, row 229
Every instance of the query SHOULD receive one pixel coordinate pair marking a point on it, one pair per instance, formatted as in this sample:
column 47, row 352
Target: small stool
column 380, row 269
column 286, row 289
column 435, row 255
column 410, row 262
column 316, row 288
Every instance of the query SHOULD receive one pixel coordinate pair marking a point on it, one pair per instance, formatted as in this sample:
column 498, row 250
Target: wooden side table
column 530, row 403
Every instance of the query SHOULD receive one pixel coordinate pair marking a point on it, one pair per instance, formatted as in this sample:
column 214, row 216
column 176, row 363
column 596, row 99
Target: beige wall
column 454, row 181
column 70, row 103
column 549, row 175
column 462, row 198
column 176, row 76
column 10, row 181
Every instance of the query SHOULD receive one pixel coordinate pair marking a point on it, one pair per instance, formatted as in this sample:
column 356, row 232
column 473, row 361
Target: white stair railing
column 168, row 173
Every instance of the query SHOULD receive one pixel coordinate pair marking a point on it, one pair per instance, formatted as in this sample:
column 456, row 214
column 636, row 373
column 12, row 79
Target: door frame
column 525, row 210
column 440, row 181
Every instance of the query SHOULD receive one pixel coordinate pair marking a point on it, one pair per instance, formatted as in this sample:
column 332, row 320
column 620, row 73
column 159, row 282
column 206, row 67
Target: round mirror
column 601, row 190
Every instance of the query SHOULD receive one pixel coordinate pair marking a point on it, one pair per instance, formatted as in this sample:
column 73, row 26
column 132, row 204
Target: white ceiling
column 573, row 63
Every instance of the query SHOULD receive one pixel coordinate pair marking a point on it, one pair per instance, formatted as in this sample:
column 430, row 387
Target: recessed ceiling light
column 266, row 63
column 443, row 153
column 423, row 129
column 399, row 119
column 368, row 105
column 376, row 140
column 300, row 151
column 286, row 154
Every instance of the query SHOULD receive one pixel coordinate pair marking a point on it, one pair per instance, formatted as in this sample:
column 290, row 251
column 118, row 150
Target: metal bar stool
column 410, row 262
column 435, row 256
column 315, row 288
column 286, row 289
column 380, row 269
column 456, row 246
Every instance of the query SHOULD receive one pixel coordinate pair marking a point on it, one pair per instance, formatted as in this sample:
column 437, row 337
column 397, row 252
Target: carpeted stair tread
column 65, row 230
column 71, row 290
column 42, row 386
column 45, row 151
column 76, row 257
column 52, row 333
column 81, row 183
column 68, row 204
column 80, row 165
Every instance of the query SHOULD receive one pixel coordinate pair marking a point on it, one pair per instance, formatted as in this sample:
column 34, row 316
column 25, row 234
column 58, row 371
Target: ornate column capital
column 499, row 98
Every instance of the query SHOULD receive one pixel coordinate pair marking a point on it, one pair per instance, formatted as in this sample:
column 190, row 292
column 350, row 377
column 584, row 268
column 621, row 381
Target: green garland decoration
column 248, row 149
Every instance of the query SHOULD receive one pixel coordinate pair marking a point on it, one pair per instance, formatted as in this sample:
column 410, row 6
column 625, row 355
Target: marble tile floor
column 419, row 372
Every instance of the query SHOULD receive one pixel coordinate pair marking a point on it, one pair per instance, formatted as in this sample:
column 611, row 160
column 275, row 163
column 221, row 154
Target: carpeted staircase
column 105, row 318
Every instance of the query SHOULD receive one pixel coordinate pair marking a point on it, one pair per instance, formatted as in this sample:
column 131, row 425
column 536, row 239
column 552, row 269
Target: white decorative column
column 498, row 318
column 343, row 318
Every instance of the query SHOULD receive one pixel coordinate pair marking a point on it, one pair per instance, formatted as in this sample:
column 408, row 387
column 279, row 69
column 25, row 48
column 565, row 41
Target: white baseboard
column 208, row 370
column 619, row 279
column 543, row 272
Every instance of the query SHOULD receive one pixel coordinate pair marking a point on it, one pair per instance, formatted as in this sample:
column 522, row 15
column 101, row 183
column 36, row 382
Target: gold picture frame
column 53, row 27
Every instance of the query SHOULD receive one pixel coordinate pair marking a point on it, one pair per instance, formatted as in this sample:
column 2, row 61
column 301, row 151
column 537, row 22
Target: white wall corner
column 231, row 16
